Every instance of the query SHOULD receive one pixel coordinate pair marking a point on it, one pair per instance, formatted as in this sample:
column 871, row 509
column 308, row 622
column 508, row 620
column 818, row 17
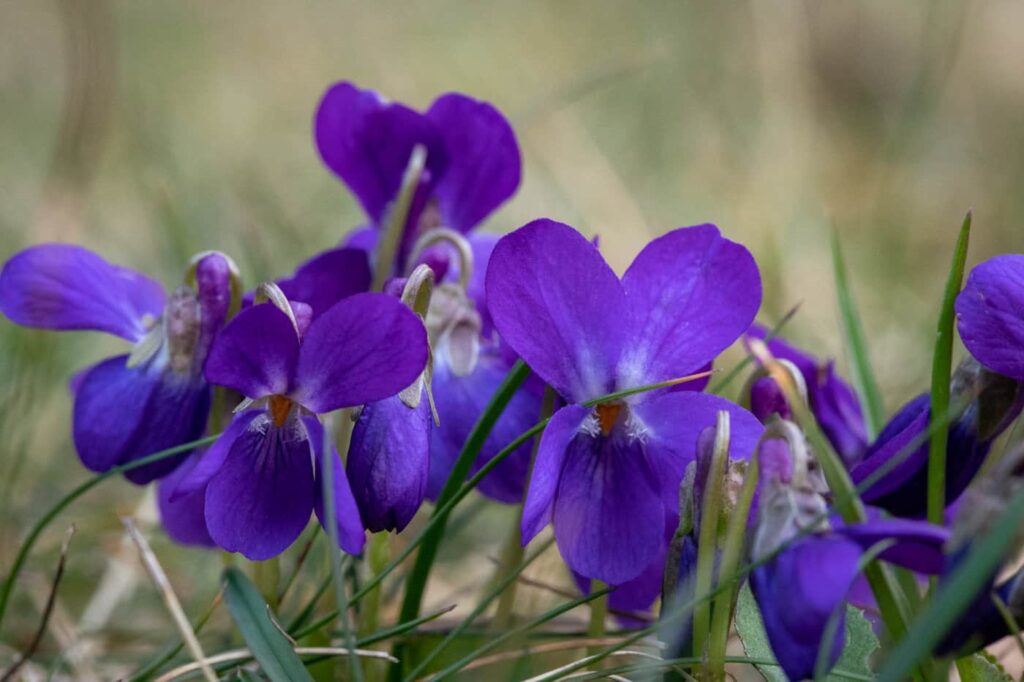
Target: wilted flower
column 686, row 297
column 128, row 406
column 262, row 475
column 811, row 559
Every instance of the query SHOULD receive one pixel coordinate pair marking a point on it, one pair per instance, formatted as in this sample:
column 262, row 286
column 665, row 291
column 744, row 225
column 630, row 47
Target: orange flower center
column 279, row 408
column 607, row 415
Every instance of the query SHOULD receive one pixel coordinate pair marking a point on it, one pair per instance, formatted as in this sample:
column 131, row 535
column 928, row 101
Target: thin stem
column 333, row 552
column 81, row 489
column 732, row 553
column 707, row 547
column 598, row 611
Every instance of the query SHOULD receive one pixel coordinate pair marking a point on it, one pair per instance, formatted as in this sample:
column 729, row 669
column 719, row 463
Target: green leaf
column 981, row 667
column 861, row 642
column 863, row 375
column 267, row 643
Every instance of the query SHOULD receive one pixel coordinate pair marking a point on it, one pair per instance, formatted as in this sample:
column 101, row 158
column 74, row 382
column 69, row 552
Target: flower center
column 279, row 406
column 607, row 416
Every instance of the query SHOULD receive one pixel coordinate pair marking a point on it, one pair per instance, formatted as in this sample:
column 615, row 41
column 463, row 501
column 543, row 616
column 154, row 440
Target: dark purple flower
column 995, row 401
column 262, row 476
column 812, row 561
column 472, row 163
column 129, row 406
column 388, row 461
column 990, row 314
column 586, row 333
column 832, row 400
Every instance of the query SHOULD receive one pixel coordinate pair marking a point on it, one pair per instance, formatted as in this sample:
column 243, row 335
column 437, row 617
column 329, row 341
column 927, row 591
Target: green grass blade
column 515, row 632
column 41, row 524
column 267, row 643
column 954, row 595
column 942, row 362
column 497, row 590
column 864, row 376
column 417, row 581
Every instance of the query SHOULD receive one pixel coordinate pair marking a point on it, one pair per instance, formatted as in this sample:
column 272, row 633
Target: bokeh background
column 149, row 131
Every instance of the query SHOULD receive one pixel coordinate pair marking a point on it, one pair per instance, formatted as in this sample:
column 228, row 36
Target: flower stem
column 267, row 575
column 707, row 542
column 598, row 614
column 732, row 554
column 512, row 554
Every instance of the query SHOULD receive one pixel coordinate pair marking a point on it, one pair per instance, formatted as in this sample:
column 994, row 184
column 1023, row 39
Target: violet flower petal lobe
column 558, row 304
column 61, row 286
column 691, row 293
column 256, row 353
column 365, row 348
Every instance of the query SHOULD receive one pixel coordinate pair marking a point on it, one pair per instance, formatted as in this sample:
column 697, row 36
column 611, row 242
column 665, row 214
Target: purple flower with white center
column 688, row 295
column 995, row 402
column 832, row 400
column 472, row 162
column 263, row 475
column 805, row 586
column 128, row 406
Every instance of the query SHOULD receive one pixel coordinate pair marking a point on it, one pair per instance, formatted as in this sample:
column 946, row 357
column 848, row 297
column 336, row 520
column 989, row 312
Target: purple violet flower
column 262, row 475
column 472, row 164
column 832, row 400
column 554, row 300
column 804, row 586
column 995, row 401
column 128, row 406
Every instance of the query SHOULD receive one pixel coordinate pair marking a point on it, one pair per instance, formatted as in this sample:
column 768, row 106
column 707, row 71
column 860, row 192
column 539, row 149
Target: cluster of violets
column 413, row 321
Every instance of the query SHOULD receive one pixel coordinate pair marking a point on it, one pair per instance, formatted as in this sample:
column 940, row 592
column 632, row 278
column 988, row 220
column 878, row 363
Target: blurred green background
column 149, row 131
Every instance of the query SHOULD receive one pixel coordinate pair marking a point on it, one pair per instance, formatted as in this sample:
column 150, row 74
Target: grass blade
column 864, row 377
column 417, row 581
column 42, row 523
column 267, row 643
column 942, row 362
column 955, row 594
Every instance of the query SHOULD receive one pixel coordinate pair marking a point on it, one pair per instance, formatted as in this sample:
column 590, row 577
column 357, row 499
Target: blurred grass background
column 149, row 131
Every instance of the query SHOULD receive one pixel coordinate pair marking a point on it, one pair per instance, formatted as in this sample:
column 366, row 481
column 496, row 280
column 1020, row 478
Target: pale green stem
column 512, row 554
column 598, row 614
column 266, row 575
column 397, row 217
column 707, row 541
column 732, row 555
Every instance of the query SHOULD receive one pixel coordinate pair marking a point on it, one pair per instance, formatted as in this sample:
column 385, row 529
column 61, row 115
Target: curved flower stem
column 42, row 523
column 398, row 216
